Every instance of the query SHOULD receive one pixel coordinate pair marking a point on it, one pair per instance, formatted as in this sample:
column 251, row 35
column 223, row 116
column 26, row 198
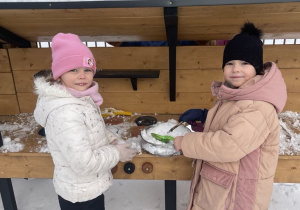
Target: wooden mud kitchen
column 159, row 81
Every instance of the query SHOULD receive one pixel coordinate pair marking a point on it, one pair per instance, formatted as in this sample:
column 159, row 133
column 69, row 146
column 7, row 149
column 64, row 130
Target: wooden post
column 1, row 141
column 170, row 194
column 7, row 194
column 171, row 24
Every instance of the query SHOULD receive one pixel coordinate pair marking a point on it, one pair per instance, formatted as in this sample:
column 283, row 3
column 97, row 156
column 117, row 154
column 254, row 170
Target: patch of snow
column 39, row 194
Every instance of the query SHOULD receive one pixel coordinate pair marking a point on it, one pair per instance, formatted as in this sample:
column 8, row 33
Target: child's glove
column 196, row 126
column 194, row 115
column 114, row 142
column 191, row 116
column 126, row 153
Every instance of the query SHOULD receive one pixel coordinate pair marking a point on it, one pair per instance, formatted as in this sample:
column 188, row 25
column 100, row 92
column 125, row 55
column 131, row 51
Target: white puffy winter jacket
column 78, row 141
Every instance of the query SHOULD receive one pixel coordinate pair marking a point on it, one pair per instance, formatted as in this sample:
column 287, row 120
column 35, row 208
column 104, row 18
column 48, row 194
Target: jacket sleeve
column 111, row 135
column 242, row 134
column 72, row 138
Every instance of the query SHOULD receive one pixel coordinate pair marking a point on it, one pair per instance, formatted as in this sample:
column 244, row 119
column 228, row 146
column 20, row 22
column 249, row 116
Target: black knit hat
column 246, row 46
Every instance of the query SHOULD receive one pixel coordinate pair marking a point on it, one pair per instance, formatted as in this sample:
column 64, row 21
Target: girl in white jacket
column 82, row 149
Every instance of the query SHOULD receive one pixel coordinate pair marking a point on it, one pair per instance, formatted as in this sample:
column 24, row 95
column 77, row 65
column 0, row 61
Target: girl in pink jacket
column 237, row 153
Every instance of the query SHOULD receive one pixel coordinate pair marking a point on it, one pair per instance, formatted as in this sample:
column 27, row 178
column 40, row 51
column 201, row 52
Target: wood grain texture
column 278, row 20
column 219, row 22
column 288, row 169
column 4, row 61
column 40, row 165
column 7, row 85
column 9, row 105
column 197, row 81
column 29, row 163
column 101, row 24
column 27, row 102
column 188, row 57
column 197, row 67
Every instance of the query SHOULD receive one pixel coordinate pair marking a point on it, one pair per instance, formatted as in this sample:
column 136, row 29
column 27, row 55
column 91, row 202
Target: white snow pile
column 15, row 134
column 290, row 133
column 159, row 148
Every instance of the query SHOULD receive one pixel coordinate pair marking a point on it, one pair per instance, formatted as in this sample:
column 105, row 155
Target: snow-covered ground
column 38, row 194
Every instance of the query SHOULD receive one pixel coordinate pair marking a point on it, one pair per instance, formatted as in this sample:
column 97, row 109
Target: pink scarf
column 91, row 91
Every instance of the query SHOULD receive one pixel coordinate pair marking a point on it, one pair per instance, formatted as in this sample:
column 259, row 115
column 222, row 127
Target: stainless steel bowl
column 158, row 148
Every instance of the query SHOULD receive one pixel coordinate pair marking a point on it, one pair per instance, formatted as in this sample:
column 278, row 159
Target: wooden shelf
column 132, row 74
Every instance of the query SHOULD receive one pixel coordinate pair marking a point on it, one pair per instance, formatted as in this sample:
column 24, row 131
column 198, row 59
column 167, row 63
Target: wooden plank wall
column 197, row 66
column 8, row 99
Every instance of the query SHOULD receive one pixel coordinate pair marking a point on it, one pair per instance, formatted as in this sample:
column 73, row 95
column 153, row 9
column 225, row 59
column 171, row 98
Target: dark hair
column 47, row 74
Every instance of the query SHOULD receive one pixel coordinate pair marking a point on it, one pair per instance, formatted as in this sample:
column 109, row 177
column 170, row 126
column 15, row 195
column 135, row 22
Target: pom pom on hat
column 246, row 46
column 68, row 52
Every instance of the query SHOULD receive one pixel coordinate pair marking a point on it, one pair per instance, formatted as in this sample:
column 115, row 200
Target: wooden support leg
column 1, row 141
column 170, row 194
column 7, row 194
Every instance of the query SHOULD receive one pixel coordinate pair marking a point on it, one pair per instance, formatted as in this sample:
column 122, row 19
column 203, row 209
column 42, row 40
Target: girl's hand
column 114, row 142
column 126, row 153
column 177, row 142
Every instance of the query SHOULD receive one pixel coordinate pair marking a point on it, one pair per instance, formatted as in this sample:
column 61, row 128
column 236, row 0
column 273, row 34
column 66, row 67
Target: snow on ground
column 38, row 194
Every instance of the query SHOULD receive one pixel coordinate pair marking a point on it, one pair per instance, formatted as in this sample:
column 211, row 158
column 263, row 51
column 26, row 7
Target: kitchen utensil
column 162, row 138
column 161, row 129
column 176, row 126
column 162, row 150
column 146, row 136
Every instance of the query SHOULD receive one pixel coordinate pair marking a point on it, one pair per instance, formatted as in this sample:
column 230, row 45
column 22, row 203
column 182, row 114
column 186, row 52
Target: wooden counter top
column 25, row 129
column 29, row 163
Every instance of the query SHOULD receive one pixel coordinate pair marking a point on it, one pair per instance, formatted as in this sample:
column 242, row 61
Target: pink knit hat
column 68, row 52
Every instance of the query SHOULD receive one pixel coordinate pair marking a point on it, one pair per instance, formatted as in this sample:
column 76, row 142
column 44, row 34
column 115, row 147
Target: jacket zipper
column 219, row 105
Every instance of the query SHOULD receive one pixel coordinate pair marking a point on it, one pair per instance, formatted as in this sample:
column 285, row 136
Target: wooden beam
column 130, row 3
column 7, row 194
column 40, row 165
column 127, row 73
column 13, row 39
column 219, row 22
column 1, row 141
column 171, row 24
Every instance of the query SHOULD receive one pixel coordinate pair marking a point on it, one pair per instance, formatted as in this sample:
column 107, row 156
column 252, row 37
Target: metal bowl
column 156, row 147
column 159, row 150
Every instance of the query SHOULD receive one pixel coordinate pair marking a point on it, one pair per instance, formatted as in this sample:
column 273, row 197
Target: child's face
column 79, row 79
column 237, row 72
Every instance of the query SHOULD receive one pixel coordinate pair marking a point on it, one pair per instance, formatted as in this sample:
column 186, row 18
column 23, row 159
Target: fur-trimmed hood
column 51, row 96
column 43, row 88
